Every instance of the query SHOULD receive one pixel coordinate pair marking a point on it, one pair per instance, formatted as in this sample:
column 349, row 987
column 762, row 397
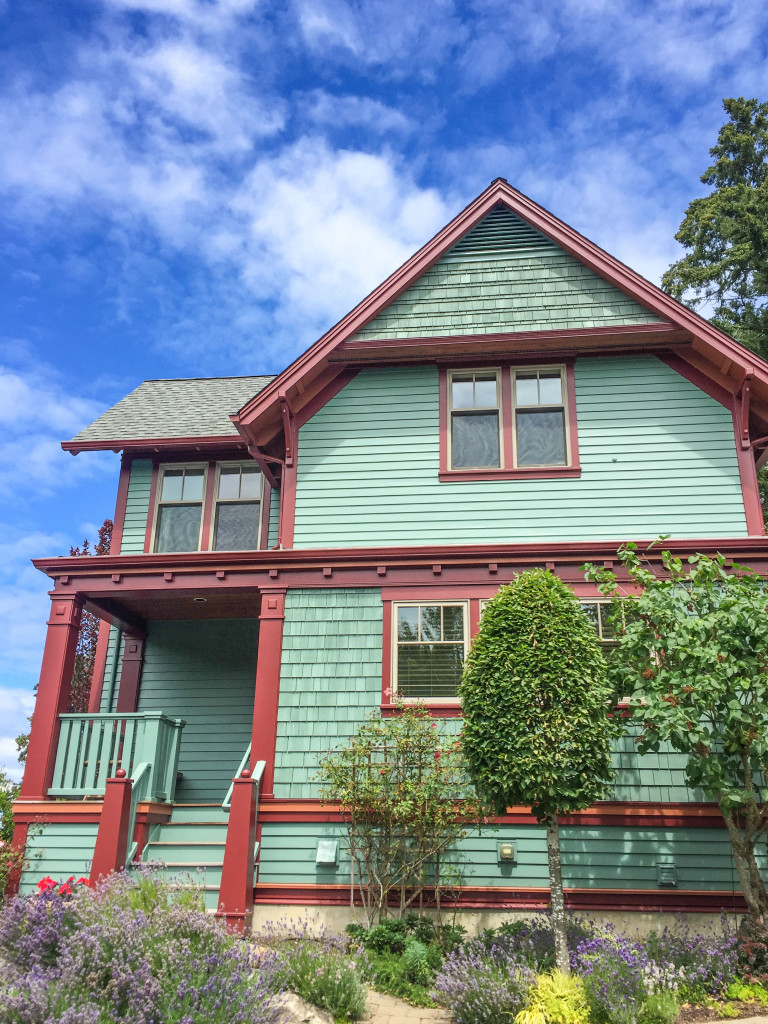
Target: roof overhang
column 707, row 350
column 156, row 444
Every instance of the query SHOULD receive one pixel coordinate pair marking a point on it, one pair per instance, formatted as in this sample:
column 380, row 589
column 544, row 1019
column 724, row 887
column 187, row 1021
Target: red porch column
column 112, row 839
column 236, row 893
column 267, row 692
column 130, row 674
column 53, row 694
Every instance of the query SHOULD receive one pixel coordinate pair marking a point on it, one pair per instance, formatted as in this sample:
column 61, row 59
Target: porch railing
column 93, row 746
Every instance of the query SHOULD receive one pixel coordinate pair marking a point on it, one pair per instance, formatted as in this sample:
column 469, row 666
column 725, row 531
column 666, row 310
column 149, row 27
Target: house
column 290, row 553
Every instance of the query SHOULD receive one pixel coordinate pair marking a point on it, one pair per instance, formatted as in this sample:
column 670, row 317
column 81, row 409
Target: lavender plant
column 121, row 954
column 481, row 985
column 613, row 970
column 702, row 963
column 318, row 965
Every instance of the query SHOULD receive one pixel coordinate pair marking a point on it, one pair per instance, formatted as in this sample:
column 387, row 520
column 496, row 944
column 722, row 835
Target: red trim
column 331, row 389
column 266, row 505
column 120, row 505
column 111, row 847
column 705, row 383
column 507, row 469
column 753, row 507
column 236, row 894
column 206, row 540
column 130, row 674
column 53, row 693
column 499, row 898
column 287, row 513
column 267, row 685
column 156, row 444
column 99, row 666
column 152, row 508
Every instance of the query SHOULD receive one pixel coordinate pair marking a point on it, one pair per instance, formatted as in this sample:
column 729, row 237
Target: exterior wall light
column 506, row 852
column 327, row 853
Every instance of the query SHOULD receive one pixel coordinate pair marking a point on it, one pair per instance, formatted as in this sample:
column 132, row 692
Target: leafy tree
column 9, row 857
column 402, row 788
column 693, row 656
column 535, row 703
column 85, row 655
column 726, row 232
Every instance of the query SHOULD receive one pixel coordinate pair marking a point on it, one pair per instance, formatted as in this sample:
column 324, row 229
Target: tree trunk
column 743, row 855
column 562, row 961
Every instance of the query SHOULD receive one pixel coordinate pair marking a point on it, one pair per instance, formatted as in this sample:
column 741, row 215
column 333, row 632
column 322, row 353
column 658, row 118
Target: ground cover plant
column 132, row 950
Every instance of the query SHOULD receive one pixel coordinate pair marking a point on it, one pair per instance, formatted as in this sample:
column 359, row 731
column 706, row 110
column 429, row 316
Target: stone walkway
column 388, row 1010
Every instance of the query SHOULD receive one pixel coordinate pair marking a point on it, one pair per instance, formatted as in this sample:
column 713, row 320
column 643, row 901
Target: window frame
column 159, row 503
column 498, row 372
column 507, row 443
column 216, row 501
column 391, row 615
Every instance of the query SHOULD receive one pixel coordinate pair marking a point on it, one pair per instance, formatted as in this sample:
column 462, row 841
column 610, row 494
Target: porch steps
column 189, row 849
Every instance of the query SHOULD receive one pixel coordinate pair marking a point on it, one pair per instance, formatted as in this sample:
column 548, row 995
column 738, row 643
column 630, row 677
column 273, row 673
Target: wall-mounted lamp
column 327, row 855
column 505, row 852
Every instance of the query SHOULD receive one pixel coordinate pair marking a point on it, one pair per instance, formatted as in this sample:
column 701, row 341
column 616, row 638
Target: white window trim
column 499, row 413
column 159, row 502
column 233, row 501
column 463, row 603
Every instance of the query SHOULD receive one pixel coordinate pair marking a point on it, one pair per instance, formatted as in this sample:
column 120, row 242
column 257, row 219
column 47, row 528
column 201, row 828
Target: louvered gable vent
column 500, row 234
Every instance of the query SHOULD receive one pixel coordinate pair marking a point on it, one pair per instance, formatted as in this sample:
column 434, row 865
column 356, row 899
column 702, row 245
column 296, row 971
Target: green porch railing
column 92, row 748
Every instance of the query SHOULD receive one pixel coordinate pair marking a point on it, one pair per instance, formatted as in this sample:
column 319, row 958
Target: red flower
column 65, row 890
column 437, row 755
column 47, row 883
column 83, row 881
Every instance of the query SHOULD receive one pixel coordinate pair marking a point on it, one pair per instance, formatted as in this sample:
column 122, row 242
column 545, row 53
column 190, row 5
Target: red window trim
column 508, row 471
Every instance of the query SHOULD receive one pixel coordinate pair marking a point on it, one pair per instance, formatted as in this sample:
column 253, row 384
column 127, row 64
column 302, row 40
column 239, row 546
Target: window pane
column 485, row 392
column 540, row 438
column 453, row 622
column 430, row 622
column 229, row 482
column 193, row 485
column 429, row 670
column 250, row 482
column 605, row 611
column 408, row 623
column 475, row 440
column 173, row 480
column 550, row 389
column 237, row 527
column 591, row 610
column 461, row 393
column 178, row 528
column 526, row 389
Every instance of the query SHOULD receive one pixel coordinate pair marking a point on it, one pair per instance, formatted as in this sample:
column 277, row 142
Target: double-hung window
column 508, row 421
column 180, row 508
column 238, row 507
column 430, row 645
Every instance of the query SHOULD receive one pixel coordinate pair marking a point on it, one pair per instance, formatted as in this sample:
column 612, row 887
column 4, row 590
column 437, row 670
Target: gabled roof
column 166, row 410
column 657, row 321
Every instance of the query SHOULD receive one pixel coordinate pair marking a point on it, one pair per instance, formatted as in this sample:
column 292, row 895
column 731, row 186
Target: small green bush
column 388, row 973
column 748, row 993
column 416, row 963
column 659, row 1008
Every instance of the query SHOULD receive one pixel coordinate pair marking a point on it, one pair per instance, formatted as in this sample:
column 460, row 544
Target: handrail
column 139, row 792
column 227, row 801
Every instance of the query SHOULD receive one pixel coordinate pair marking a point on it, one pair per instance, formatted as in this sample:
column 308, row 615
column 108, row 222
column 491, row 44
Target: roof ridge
column 178, row 380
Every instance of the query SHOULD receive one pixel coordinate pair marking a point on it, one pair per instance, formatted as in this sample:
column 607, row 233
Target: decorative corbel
column 289, row 429
column 743, row 399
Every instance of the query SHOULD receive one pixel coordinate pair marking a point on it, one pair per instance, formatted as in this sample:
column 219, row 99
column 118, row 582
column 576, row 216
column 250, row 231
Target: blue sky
column 202, row 187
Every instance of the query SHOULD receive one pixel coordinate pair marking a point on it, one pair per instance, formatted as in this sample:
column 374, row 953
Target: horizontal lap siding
column 59, row 850
column 330, row 679
column 203, row 672
column 527, row 293
column 604, row 858
column 137, row 507
column 656, row 452
column 274, row 517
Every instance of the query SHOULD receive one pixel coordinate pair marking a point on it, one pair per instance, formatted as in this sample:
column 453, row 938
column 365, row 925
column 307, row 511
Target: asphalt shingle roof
column 194, row 407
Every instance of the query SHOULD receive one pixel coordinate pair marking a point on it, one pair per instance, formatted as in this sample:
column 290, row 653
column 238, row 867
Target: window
column 507, row 422
column 238, row 506
column 180, row 508
column 597, row 613
column 539, row 418
column 430, row 645
column 475, row 420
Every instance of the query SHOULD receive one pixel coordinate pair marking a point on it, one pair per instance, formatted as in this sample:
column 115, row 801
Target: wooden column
column 99, row 665
column 236, row 893
column 130, row 673
column 53, row 694
column 267, row 690
column 112, row 839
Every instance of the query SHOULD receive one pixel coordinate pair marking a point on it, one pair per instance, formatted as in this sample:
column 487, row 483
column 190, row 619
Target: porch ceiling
column 133, row 609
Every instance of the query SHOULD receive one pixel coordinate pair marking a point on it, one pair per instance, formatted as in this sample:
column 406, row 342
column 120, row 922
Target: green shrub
column 387, row 936
column 659, row 1008
column 555, row 999
column 388, row 973
column 416, row 963
column 748, row 993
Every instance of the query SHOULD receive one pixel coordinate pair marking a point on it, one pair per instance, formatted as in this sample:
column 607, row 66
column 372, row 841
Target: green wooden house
column 292, row 553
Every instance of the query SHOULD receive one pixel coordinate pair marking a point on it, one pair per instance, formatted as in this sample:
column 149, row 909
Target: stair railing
column 142, row 778
column 227, row 802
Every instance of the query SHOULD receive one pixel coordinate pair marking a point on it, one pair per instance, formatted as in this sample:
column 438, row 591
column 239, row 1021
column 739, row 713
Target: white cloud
column 323, row 108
